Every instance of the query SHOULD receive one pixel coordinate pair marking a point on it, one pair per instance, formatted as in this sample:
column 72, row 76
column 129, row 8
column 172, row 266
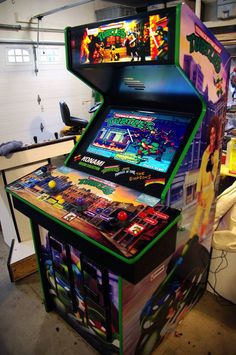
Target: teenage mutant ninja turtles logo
column 95, row 182
column 200, row 42
column 132, row 122
column 116, row 32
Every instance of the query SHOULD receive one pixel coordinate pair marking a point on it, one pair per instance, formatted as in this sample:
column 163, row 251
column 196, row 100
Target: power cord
column 220, row 267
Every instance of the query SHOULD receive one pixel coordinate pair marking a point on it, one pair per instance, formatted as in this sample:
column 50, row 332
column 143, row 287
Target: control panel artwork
column 115, row 216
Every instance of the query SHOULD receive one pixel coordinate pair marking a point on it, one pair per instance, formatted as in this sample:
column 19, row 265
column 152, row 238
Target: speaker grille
column 134, row 83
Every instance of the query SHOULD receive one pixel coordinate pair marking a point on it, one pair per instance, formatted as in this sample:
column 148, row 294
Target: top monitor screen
column 141, row 138
column 132, row 40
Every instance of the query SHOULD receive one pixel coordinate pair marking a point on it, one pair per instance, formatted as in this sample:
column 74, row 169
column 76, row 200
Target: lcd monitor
column 141, row 138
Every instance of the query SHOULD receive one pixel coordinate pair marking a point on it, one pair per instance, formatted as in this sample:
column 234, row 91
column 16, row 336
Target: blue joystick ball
column 79, row 201
column 44, row 169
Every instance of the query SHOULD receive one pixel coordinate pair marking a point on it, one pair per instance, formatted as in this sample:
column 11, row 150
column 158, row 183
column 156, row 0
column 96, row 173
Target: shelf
column 221, row 23
column 227, row 38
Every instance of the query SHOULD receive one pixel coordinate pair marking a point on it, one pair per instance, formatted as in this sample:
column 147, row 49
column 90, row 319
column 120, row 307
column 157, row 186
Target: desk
column 15, row 226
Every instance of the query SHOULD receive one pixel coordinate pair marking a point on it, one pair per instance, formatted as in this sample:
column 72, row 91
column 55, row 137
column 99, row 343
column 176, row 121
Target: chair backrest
column 65, row 113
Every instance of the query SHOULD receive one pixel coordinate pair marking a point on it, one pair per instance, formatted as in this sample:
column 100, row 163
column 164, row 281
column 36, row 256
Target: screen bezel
column 90, row 135
column 164, row 125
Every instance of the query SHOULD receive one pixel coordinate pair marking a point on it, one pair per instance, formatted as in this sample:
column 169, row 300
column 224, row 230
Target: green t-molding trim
column 120, row 297
column 84, row 132
column 66, row 47
column 191, row 137
column 201, row 116
column 88, row 84
column 177, row 33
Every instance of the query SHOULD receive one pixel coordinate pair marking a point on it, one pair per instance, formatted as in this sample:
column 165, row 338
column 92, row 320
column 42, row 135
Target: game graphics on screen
column 146, row 139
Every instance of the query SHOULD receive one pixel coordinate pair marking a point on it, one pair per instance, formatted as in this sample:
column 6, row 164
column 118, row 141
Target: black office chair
column 76, row 124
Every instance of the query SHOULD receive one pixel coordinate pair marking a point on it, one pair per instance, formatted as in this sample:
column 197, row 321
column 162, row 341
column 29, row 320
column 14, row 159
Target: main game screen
column 142, row 138
column 132, row 40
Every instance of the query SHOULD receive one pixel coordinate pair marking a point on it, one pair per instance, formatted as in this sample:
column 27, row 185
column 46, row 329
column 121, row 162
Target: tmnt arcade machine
column 111, row 260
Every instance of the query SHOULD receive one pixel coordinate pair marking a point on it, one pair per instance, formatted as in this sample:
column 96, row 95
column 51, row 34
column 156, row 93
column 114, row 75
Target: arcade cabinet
column 123, row 230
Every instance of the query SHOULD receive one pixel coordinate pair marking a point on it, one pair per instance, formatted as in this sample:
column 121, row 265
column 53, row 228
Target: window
column 49, row 55
column 18, row 55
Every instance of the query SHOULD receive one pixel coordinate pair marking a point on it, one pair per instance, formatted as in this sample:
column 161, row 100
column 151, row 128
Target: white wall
column 21, row 11
column 20, row 114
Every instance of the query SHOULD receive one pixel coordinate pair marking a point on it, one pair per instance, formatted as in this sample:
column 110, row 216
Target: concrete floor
column 26, row 329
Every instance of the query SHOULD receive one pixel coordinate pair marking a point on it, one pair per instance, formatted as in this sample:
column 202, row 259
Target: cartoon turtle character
column 218, row 82
column 99, row 53
column 114, row 56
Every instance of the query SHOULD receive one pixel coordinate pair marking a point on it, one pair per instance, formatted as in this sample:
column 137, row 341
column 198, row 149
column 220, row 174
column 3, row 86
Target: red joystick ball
column 122, row 216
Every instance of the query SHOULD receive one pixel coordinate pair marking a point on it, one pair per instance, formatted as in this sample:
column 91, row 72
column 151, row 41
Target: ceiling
column 137, row 3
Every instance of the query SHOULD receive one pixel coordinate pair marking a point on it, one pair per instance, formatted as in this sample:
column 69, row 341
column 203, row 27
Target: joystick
column 81, row 203
column 52, row 184
column 118, row 221
column 122, row 216
column 43, row 169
